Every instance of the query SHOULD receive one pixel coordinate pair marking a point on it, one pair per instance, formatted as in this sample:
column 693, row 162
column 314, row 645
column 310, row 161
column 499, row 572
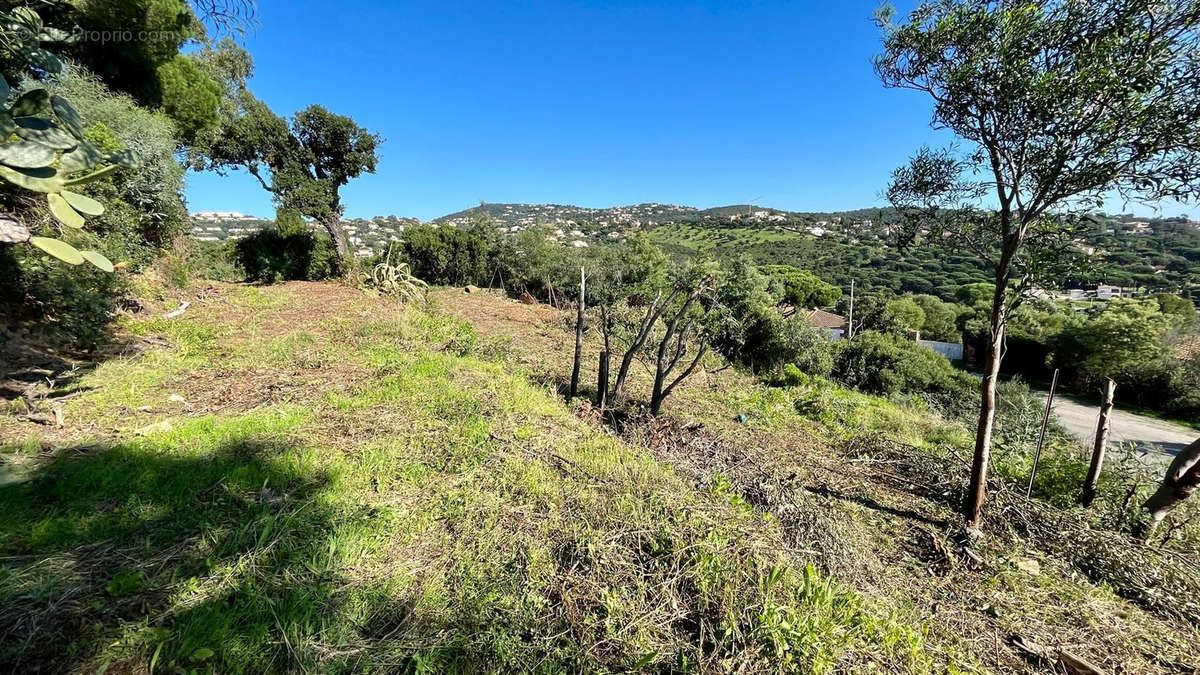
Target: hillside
column 305, row 477
column 1140, row 253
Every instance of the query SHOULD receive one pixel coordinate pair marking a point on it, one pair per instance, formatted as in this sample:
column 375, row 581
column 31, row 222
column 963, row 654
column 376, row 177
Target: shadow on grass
column 202, row 559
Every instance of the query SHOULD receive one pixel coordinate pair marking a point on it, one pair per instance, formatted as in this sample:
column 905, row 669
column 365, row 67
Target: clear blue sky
column 589, row 103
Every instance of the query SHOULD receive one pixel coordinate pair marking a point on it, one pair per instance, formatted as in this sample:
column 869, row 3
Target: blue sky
column 589, row 103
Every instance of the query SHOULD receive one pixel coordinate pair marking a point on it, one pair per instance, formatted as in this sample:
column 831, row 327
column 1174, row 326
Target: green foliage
column 1122, row 336
column 806, row 348
column 885, row 364
column 74, row 301
column 48, row 128
column 308, row 160
column 941, row 318
column 271, row 255
column 144, row 208
column 799, row 288
column 189, row 96
column 446, row 255
column 908, row 314
column 396, row 279
column 1180, row 311
column 133, row 46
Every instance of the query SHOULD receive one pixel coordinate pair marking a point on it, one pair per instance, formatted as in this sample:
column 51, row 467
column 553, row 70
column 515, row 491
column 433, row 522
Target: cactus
column 42, row 145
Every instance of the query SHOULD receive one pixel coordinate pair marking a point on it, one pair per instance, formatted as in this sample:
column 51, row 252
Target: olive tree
column 1058, row 104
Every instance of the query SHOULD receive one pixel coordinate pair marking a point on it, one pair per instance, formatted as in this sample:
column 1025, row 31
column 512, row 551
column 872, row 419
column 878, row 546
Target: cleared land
column 302, row 477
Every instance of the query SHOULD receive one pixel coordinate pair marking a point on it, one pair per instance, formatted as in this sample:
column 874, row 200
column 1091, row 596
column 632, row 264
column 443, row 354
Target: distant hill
column 509, row 215
column 1149, row 253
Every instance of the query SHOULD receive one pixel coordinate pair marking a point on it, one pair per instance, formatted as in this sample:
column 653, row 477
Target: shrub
column 879, row 363
column 272, row 255
column 806, row 348
column 143, row 207
column 143, row 211
column 446, row 255
column 73, row 302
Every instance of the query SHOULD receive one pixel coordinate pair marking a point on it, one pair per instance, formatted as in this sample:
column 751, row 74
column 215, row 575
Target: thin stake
column 1037, row 456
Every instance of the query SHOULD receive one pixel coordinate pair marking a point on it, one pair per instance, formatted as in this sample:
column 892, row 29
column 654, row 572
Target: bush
column 73, row 302
column 142, row 206
column 272, row 255
column 879, row 363
column 143, row 211
column 446, row 255
column 806, row 348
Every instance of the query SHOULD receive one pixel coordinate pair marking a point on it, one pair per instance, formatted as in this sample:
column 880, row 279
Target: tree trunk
column 1182, row 479
column 602, row 371
column 579, row 333
column 1098, row 450
column 333, row 225
column 665, row 362
column 653, row 311
column 977, row 488
column 656, row 395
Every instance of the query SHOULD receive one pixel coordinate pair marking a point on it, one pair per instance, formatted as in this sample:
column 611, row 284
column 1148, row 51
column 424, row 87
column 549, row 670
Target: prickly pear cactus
column 42, row 145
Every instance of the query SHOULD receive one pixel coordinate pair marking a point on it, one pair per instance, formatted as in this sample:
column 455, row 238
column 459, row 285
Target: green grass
column 443, row 512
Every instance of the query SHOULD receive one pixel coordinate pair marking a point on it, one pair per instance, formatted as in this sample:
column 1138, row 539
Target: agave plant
column 396, row 278
column 42, row 145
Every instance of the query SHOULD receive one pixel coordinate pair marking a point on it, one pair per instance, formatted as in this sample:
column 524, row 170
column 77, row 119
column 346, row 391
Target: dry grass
column 880, row 516
column 347, row 485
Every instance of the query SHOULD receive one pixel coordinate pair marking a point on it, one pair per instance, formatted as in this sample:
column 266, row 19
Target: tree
column 1058, row 103
column 1124, row 335
column 909, row 315
column 680, row 329
column 303, row 164
column 134, row 47
column 940, row 318
column 799, row 288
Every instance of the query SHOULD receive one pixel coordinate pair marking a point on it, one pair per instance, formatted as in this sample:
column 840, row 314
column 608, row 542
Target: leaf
column 44, row 60
column 98, row 260
column 83, row 157
column 28, row 18
column 31, row 103
column 59, row 249
column 32, row 122
column 35, row 183
column 49, row 34
column 83, row 204
column 91, row 176
column 124, row 158
column 63, row 211
column 51, row 135
column 67, row 115
column 27, row 155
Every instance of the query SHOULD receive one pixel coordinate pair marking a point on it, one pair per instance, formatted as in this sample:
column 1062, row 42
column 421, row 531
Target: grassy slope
column 340, row 484
column 346, row 484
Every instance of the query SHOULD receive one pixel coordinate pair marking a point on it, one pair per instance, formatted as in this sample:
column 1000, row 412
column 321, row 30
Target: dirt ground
column 857, row 509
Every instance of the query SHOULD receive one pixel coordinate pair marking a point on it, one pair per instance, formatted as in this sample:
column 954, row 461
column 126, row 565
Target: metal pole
column 1037, row 456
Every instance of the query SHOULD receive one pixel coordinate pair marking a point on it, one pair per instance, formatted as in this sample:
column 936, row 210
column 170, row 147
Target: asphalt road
column 1162, row 440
